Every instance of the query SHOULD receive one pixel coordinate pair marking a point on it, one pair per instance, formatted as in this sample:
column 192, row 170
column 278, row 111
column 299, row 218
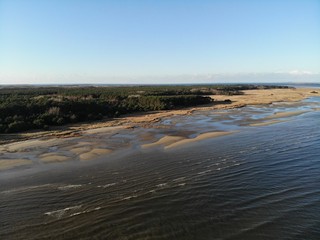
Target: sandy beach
column 89, row 141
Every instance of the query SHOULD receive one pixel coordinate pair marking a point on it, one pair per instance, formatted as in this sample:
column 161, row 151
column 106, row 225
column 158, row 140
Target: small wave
column 86, row 211
column 23, row 189
column 71, row 186
column 181, row 184
column 215, row 164
column 107, row 185
column 62, row 212
column 179, row 179
column 162, row 185
column 129, row 197
column 204, row 172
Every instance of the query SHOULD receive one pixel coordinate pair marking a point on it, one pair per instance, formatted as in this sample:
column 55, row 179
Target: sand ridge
column 276, row 118
column 54, row 158
column 267, row 123
column 268, row 96
column 198, row 138
column 94, row 153
column 285, row 114
column 6, row 164
column 164, row 141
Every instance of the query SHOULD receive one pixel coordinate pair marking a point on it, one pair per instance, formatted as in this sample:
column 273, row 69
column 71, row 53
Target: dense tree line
column 29, row 108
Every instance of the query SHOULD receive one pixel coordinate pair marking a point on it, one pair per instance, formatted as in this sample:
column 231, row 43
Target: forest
column 28, row 108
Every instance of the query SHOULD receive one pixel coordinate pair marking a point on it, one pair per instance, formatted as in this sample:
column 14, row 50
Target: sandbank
column 268, row 96
column 102, row 130
column 28, row 144
column 54, row 158
column 94, row 153
column 285, row 114
column 165, row 141
column 200, row 137
column 6, row 164
column 260, row 124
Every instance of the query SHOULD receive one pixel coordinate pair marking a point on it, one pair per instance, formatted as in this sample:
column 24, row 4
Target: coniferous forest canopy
column 27, row 108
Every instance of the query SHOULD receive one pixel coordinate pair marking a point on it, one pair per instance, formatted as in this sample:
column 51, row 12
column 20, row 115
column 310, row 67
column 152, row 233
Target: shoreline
column 85, row 142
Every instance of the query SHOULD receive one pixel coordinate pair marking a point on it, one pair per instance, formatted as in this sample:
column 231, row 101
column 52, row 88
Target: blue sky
column 77, row 41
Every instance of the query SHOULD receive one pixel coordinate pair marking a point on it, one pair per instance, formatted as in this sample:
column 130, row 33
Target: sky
column 151, row 41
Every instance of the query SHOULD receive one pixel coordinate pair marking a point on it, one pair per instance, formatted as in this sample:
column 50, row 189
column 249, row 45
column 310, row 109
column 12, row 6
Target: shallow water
column 259, row 183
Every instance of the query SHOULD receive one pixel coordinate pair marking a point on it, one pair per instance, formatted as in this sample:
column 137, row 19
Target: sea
column 261, row 182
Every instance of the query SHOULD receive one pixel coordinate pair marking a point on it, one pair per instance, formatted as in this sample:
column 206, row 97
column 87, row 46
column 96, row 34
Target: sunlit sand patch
column 260, row 124
column 272, row 119
column 63, row 212
column 165, row 141
column 94, row 153
column 30, row 144
column 100, row 151
column 70, row 186
column 12, row 163
column 47, row 158
column 285, row 114
column 200, row 137
column 103, row 130
column 87, row 156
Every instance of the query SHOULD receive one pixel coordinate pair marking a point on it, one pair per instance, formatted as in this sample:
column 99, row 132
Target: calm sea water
column 260, row 183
